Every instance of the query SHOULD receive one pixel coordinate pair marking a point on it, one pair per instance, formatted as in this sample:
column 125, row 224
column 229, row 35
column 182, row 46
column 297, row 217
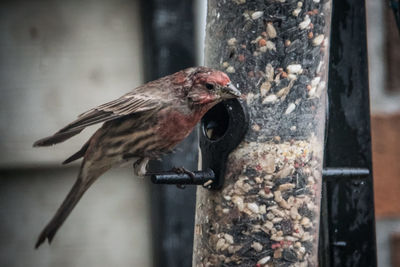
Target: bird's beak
column 230, row 91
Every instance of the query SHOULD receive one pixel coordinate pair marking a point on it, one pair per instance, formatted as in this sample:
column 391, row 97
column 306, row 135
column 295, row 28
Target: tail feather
column 74, row 195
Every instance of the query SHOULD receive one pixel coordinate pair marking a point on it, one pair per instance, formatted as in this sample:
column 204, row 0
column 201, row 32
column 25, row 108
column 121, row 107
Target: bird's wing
column 134, row 102
column 128, row 104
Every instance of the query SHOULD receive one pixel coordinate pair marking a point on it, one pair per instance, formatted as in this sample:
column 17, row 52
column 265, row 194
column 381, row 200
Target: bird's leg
column 180, row 170
column 139, row 167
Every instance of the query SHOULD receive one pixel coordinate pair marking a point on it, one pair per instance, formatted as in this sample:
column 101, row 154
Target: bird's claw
column 180, row 170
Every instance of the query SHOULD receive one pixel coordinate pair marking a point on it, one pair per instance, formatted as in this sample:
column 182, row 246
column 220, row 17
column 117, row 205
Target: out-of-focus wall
column 58, row 59
column 108, row 227
column 385, row 119
column 382, row 101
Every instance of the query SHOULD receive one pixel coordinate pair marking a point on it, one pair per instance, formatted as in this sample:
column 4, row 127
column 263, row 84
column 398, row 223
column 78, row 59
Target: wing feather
column 134, row 102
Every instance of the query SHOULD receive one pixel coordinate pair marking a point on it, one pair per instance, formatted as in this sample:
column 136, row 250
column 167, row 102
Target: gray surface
column 384, row 228
column 381, row 101
column 58, row 59
column 108, row 227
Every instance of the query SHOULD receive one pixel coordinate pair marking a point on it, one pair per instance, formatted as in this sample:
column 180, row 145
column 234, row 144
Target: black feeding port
column 215, row 123
column 222, row 129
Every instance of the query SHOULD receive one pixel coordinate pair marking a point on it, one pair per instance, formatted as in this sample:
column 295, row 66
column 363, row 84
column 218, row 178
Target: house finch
column 141, row 125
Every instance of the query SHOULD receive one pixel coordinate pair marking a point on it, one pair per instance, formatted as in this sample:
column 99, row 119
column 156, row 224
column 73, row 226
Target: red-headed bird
column 141, row 125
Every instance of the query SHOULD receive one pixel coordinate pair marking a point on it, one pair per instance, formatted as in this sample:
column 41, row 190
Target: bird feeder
column 267, row 211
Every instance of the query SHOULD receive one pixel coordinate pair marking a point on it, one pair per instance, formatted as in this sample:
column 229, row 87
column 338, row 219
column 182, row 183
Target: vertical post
column 169, row 47
column 276, row 53
column 349, row 221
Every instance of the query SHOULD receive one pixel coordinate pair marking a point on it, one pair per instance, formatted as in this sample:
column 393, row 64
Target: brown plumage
column 141, row 125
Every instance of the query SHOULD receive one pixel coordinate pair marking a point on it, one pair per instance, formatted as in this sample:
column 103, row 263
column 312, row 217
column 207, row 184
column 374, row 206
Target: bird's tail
column 77, row 191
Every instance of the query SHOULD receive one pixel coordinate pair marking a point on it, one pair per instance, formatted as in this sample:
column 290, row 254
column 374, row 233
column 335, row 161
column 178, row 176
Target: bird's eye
column 209, row 86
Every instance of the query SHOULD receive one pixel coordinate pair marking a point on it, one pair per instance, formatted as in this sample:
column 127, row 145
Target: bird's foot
column 180, row 170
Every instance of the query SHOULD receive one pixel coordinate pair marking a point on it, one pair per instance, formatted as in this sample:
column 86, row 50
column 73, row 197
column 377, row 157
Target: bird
column 142, row 125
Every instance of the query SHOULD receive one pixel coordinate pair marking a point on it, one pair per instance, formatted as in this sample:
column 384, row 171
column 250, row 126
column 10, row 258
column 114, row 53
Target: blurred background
column 384, row 69
column 58, row 59
column 61, row 58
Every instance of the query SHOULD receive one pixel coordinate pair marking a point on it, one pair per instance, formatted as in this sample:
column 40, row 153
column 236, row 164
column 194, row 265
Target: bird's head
column 210, row 86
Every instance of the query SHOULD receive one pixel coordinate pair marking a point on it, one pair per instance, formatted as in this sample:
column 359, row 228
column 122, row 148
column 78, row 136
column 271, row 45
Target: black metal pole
column 348, row 217
column 169, row 46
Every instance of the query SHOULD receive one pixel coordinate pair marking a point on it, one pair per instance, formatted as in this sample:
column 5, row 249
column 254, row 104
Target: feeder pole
column 267, row 213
